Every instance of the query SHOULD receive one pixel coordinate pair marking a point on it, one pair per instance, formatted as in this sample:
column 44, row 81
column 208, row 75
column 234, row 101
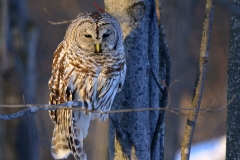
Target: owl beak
column 97, row 47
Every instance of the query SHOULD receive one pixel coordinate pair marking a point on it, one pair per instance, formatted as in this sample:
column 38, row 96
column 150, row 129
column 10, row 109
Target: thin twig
column 57, row 23
column 52, row 15
column 99, row 8
column 172, row 83
column 166, row 70
column 156, row 81
column 197, row 97
column 69, row 106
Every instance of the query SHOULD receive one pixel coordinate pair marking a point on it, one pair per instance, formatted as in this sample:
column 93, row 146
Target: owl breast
column 95, row 80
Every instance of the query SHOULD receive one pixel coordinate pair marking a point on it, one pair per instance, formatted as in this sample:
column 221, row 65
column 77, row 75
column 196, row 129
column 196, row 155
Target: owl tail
column 77, row 131
column 59, row 146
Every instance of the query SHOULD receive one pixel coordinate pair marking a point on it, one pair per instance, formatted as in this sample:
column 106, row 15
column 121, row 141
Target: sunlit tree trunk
column 131, row 134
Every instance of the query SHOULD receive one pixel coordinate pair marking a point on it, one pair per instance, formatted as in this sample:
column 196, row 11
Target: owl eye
column 106, row 35
column 88, row 36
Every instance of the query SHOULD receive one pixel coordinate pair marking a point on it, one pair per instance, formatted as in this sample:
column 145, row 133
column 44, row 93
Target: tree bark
column 157, row 144
column 131, row 134
column 233, row 110
column 3, row 63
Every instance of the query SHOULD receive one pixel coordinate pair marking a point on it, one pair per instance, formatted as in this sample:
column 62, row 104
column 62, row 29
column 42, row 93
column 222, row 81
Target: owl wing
column 57, row 84
column 64, row 85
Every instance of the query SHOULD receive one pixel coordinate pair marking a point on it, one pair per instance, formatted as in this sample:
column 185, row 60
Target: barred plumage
column 88, row 66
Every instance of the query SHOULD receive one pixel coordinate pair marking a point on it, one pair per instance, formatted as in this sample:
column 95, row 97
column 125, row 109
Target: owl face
column 97, row 38
column 95, row 33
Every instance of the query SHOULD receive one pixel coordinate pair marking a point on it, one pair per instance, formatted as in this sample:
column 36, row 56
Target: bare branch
column 165, row 66
column 34, row 109
column 76, row 105
column 57, row 23
column 52, row 15
column 19, row 114
column 197, row 97
column 99, row 8
column 63, row 22
column 155, row 79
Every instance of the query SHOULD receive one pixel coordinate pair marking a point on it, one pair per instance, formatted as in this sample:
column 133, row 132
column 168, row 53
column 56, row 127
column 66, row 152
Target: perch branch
column 75, row 105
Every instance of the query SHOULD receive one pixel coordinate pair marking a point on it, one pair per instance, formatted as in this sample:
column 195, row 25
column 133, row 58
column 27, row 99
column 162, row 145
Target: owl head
column 95, row 34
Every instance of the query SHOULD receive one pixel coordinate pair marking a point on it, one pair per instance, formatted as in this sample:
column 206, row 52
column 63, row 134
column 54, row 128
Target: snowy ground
column 208, row 150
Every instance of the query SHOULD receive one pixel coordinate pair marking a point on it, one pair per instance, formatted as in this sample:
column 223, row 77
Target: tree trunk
column 131, row 134
column 4, row 64
column 233, row 110
column 17, row 61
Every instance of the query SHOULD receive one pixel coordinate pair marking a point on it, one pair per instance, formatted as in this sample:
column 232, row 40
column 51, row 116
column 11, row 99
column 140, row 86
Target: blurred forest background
column 25, row 72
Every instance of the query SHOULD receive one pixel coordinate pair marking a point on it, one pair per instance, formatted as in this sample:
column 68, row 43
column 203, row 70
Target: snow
column 213, row 149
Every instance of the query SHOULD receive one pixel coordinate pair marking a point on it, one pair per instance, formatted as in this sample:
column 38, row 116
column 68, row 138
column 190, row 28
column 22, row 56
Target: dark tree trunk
column 131, row 134
column 4, row 64
column 233, row 109
column 17, row 58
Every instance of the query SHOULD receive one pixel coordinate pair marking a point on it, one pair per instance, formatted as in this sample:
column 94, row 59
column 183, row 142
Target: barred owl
column 89, row 66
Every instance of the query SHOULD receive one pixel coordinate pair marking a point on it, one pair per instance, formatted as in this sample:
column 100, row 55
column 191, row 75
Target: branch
column 35, row 108
column 166, row 66
column 62, row 22
column 52, row 15
column 197, row 97
column 100, row 9
column 19, row 114
column 57, row 23
column 76, row 105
